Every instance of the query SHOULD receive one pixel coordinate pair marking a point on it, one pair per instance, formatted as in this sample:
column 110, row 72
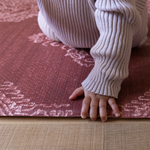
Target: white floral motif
column 138, row 108
column 82, row 57
column 17, row 10
column 12, row 103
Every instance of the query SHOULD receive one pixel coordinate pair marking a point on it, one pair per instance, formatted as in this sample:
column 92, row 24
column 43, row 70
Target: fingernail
column 117, row 114
column 105, row 119
column 70, row 96
column 82, row 116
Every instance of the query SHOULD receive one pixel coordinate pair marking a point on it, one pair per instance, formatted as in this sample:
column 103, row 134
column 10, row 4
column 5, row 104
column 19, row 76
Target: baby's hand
column 94, row 100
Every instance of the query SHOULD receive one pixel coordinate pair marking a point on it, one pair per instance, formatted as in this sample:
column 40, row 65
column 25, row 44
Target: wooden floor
column 27, row 133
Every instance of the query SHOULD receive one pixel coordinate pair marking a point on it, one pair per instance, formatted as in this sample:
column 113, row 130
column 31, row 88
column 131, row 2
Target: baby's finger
column 78, row 92
column 93, row 108
column 114, row 106
column 102, row 109
column 85, row 106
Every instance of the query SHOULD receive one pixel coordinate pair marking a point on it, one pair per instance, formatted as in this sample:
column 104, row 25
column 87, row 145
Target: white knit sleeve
column 117, row 21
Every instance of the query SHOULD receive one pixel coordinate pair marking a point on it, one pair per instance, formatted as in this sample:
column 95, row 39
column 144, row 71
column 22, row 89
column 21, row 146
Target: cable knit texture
column 109, row 27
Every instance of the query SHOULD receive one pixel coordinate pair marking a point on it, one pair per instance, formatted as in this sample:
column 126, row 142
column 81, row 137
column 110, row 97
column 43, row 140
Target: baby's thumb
column 78, row 92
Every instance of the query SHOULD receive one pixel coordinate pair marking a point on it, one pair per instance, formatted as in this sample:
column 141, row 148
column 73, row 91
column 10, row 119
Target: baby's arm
column 117, row 22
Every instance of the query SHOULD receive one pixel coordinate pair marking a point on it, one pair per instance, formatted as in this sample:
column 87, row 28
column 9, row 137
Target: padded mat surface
column 38, row 75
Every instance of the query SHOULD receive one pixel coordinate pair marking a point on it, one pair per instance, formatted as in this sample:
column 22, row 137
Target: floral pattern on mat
column 12, row 102
column 81, row 57
column 138, row 108
column 17, row 10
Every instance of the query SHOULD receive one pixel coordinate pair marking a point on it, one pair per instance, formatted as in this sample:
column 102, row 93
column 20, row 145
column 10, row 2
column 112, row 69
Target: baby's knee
column 46, row 29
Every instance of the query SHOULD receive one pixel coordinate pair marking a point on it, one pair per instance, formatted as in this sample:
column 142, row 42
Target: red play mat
column 38, row 75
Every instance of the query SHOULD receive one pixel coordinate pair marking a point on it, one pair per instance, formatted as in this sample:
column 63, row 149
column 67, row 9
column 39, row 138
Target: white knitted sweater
column 109, row 27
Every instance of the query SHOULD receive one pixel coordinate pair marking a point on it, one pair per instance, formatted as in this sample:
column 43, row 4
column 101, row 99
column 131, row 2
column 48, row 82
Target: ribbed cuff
column 102, row 87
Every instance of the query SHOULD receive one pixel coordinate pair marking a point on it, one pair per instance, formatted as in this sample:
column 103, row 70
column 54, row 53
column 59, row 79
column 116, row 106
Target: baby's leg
column 46, row 29
column 141, row 36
